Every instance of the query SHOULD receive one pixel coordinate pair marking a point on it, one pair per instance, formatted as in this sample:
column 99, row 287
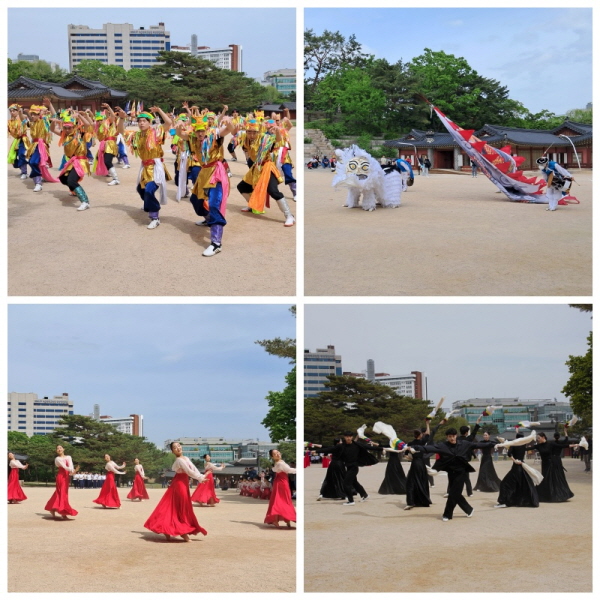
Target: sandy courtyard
column 376, row 546
column 108, row 550
column 54, row 250
column 452, row 236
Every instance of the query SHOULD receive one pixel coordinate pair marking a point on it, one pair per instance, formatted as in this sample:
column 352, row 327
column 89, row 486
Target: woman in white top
column 205, row 492
column 109, row 496
column 138, row 490
column 15, row 493
column 174, row 514
column 59, row 502
column 280, row 503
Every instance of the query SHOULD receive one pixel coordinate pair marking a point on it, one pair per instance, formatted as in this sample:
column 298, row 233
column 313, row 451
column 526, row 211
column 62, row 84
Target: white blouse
column 209, row 466
column 282, row 467
column 112, row 466
column 16, row 464
column 64, row 462
column 140, row 470
column 183, row 464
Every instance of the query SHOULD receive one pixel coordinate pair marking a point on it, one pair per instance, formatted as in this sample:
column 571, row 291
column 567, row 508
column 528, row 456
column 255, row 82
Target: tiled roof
column 24, row 87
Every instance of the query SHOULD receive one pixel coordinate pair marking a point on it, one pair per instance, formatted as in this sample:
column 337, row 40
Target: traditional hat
column 99, row 116
column 145, row 115
column 182, row 117
column 68, row 120
column 14, row 107
column 34, row 108
column 542, row 160
column 252, row 125
column 201, row 126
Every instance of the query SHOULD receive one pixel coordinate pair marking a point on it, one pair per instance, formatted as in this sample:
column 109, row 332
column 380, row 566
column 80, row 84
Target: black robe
column 417, row 482
column 394, row 481
column 517, row 488
column 333, row 484
column 554, row 487
column 487, row 480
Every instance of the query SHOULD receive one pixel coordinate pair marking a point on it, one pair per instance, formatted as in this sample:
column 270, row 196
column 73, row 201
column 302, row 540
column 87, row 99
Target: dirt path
column 452, row 236
column 108, row 550
column 54, row 250
column 376, row 546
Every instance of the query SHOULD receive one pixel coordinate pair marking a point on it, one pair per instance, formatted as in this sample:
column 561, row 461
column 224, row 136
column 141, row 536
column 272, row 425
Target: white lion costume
column 362, row 174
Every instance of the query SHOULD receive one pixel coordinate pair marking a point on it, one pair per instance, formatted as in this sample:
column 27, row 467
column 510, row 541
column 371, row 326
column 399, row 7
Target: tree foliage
column 349, row 402
column 38, row 69
column 579, row 387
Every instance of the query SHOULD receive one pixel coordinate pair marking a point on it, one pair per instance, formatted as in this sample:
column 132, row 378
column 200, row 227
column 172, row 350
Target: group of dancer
column 174, row 515
column 522, row 485
column 197, row 139
column 256, row 487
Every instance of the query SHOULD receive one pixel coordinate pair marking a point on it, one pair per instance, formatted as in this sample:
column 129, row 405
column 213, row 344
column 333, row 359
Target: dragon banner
column 497, row 164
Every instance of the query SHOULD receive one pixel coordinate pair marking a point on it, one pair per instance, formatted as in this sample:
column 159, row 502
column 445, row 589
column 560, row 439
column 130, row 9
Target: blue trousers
column 213, row 214
column 147, row 194
column 20, row 160
column 287, row 173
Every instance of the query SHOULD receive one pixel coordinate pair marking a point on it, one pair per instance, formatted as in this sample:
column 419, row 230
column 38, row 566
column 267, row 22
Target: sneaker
column 83, row 206
column 246, row 209
column 294, row 198
column 37, row 188
column 126, row 166
column 229, row 174
column 23, row 175
column 154, row 224
column 445, row 519
column 348, row 504
column 200, row 223
column 445, row 495
column 212, row 249
column 500, row 506
column 289, row 221
column 551, row 209
column 408, row 507
column 470, row 495
column 114, row 182
column 470, row 515
column 319, row 498
column 364, row 499
column 432, row 486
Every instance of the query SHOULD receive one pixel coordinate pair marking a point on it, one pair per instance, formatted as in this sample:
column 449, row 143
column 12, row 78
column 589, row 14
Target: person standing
column 487, row 479
column 586, row 454
column 355, row 454
column 174, row 514
column 138, row 489
column 280, row 502
column 558, row 180
column 474, row 168
column 59, row 501
column 454, row 459
column 205, row 492
column 426, row 166
column 38, row 152
column 17, row 128
column 108, row 127
column 15, row 492
column 109, row 496
column 147, row 144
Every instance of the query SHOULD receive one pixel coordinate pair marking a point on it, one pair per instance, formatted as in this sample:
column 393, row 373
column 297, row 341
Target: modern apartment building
column 228, row 57
column 118, row 44
column 284, row 80
column 318, row 366
column 221, row 449
column 36, row 416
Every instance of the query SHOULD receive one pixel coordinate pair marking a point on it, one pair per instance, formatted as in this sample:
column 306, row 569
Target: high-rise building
column 283, row 80
column 36, row 416
column 413, row 385
column 133, row 424
column 370, row 369
column 317, row 367
column 229, row 58
column 118, row 44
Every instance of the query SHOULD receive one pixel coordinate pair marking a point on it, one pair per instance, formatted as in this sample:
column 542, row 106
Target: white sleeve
column 214, row 467
column 65, row 462
column 282, row 467
column 187, row 467
column 140, row 469
column 111, row 465
column 16, row 464
column 562, row 170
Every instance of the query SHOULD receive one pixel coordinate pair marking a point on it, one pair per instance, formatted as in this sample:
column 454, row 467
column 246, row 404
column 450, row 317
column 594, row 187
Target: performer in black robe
column 454, row 459
column 417, row 482
column 487, row 480
column 517, row 487
column 394, row 481
column 333, row 484
column 554, row 487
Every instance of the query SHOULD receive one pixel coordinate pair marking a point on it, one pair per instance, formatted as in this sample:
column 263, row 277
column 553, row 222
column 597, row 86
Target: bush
column 364, row 141
column 307, row 140
column 333, row 130
column 336, row 143
column 315, row 124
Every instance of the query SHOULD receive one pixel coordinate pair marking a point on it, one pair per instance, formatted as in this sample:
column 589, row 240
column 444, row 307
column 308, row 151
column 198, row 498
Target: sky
column 46, row 31
column 528, row 50
column 466, row 351
column 190, row 370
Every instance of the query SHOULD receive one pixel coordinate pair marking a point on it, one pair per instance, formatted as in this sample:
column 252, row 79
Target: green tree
column 288, row 451
column 281, row 417
column 581, row 115
column 39, row 69
column 579, row 387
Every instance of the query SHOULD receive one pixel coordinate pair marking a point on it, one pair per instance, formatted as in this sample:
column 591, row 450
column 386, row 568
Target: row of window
column 318, row 367
column 339, row 362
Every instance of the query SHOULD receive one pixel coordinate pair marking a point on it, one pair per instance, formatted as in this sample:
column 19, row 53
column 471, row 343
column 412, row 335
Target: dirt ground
column 452, row 236
column 54, row 250
column 376, row 546
column 108, row 550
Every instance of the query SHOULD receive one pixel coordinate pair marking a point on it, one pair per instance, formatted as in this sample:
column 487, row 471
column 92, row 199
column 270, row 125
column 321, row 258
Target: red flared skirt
column 108, row 493
column 306, row 461
column 280, row 503
column 265, row 493
column 15, row 492
column 326, row 462
column 60, row 499
column 206, row 490
column 139, row 489
column 174, row 514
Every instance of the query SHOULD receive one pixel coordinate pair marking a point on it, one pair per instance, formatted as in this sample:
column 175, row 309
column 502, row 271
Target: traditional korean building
column 77, row 92
column 444, row 153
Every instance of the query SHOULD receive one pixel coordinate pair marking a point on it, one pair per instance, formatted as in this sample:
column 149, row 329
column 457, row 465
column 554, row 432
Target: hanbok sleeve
column 111, row 465
column 64, row 462
column 16, row 464
column 214, row 467
column 188, row 468
column 282, row 467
